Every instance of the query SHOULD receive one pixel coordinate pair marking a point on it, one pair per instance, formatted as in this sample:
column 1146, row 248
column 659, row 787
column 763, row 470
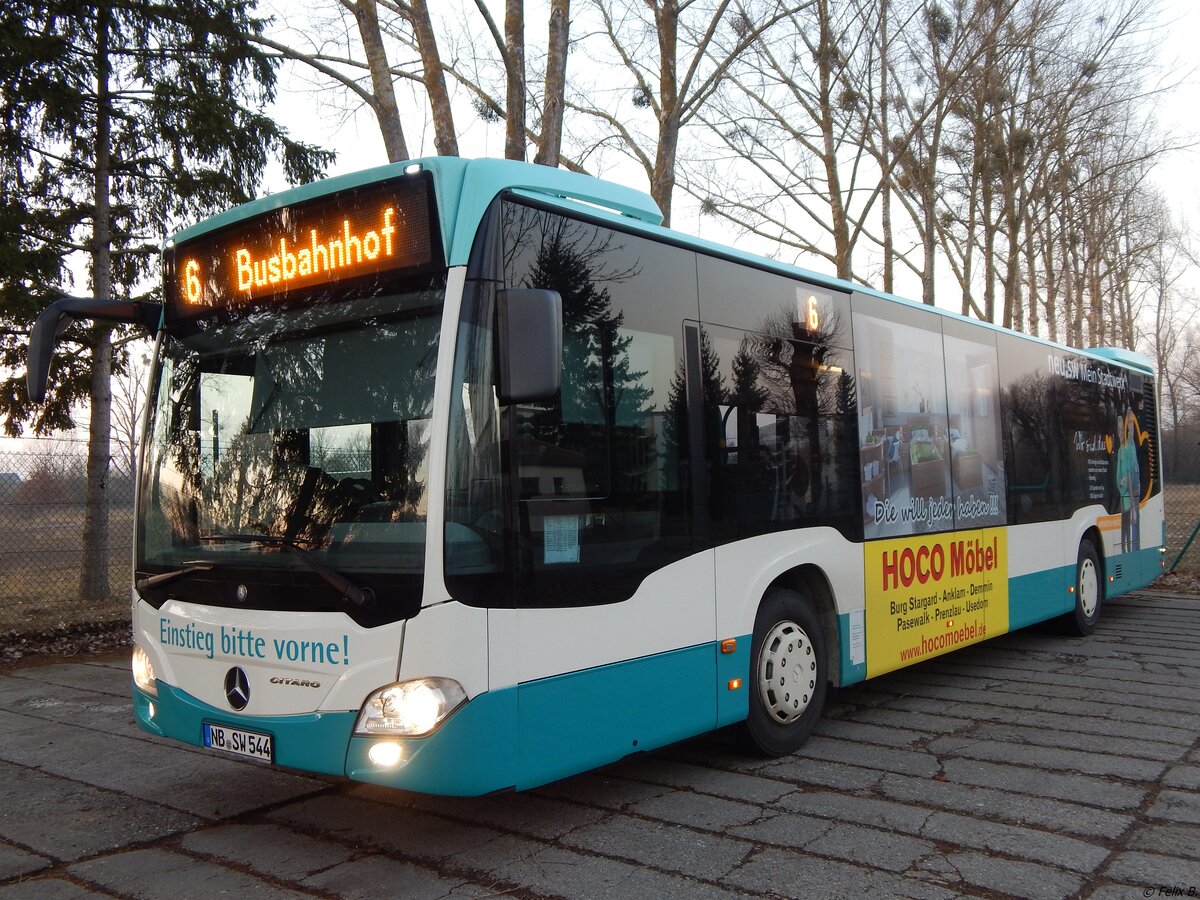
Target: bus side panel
column 599, row 682
column 1134, row 566
column 1040, row 572
column 670, row 610
column 572, row 723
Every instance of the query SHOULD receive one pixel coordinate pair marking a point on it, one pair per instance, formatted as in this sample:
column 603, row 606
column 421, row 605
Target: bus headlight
column 143, row 671
column 411, row 708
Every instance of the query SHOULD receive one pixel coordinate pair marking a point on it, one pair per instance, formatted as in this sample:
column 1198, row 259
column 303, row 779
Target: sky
column 1178, row 174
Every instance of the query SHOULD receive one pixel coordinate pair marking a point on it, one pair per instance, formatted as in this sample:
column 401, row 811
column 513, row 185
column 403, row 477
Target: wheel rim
column 787, row 672
column 1089, row 587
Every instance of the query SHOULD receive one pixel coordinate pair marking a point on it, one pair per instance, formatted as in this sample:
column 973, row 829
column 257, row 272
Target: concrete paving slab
column 663, row 846
column 49, row 888
column 698, row 810
column 81, row 676
column 156, row 873
column 526, row 814
column 381, row 826
column 1013, row 877
column 719, row 783
column 1049, row 758
column 1136, row 867
column 16, row 862
column 565, row 873
column 65, row 820
column 160, row 774
column 1168, row 840
column 792, row 873
column 267, row 850
column 370, row 877
column 991, row 804
column 70, row 706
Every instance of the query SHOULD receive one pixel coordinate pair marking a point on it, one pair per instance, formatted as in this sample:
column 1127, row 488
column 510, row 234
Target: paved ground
column 1032, row 766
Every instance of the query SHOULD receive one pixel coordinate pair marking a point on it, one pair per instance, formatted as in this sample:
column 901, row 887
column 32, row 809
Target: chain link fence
column 42, row 487
column 41, row 537
column 1183, row 515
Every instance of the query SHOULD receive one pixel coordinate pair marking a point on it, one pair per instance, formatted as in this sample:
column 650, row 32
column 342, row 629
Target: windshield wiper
column 359, row 596
column 153, row 581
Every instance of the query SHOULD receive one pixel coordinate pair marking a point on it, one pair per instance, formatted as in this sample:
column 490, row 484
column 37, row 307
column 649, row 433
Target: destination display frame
column 361, row 241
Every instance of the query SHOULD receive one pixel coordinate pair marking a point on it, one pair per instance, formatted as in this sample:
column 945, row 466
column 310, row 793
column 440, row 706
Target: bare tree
column 129, row 400
column 676, row 55
column 788, row 115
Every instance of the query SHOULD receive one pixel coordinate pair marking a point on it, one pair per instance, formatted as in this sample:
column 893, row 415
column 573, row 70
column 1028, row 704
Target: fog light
column 150, row 710
column 410, row 708
column 385, row 754
column 143, row 671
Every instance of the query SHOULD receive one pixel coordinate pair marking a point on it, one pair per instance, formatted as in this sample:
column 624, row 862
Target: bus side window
column 601, row 502
column 782, row 447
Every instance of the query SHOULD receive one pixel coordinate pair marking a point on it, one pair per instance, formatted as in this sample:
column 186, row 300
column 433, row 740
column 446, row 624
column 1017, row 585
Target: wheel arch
column 1092, row 535
column 811, row 581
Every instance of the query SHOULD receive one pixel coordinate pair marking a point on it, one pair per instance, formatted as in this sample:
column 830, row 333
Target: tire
column 1089, row 593
column 785, row 705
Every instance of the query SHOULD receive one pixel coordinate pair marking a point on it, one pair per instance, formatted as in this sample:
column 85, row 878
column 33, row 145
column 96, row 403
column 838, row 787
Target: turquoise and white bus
column 464, row 476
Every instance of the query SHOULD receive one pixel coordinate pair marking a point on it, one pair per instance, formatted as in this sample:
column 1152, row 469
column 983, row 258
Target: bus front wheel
column 788, row 675
column 1089, row 592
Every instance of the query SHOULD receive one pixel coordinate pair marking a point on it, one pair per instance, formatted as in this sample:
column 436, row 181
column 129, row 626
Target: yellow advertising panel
column 930, row 594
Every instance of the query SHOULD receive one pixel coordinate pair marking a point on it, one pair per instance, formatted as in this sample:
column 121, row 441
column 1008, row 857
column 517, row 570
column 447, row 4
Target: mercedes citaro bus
column 463, row 476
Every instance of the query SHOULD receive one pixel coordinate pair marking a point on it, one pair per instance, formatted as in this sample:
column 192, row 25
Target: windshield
column 309, row 425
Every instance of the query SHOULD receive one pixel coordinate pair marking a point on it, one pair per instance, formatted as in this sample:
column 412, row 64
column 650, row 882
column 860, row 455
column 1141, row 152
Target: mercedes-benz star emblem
column 237, row 688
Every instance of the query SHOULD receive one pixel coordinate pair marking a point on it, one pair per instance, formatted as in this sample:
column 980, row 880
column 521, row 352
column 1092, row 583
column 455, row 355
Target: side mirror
column 531, row 338
column 54, row 320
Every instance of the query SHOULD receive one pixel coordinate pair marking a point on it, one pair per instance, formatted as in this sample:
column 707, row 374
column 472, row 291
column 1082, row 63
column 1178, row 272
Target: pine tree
column 119, row 121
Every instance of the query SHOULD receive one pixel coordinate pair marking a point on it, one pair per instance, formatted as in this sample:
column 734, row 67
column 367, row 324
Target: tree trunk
column 1031, row 270
column 445, row 139
column 367, row 14
column 550, row 147
column 93, row 583
column 840, row 224
column 885, row 209
column 514, row 113
column 989, row 250
column 662, row 179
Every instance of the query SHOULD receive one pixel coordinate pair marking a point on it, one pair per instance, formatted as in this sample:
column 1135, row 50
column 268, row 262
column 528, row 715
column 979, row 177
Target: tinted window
column 600, row 470
column 973, row 433
column 750, row 299
column 779, row 414
column 903, row 423
column 1032, row 399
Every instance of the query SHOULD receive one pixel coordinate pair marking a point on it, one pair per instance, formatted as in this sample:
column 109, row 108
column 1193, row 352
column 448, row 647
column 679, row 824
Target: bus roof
column 464, row 188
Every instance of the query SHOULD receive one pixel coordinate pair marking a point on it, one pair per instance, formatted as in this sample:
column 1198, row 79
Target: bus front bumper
column 470, row 754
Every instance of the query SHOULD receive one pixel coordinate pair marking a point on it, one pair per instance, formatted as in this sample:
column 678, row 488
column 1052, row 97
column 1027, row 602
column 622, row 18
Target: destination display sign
column 308, row 250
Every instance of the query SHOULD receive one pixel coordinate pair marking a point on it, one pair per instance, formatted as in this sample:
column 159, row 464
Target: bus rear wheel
column 789, row 674
column 1089, row 593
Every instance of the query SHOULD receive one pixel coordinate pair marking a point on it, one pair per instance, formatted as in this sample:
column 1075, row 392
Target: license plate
column 250, row 744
